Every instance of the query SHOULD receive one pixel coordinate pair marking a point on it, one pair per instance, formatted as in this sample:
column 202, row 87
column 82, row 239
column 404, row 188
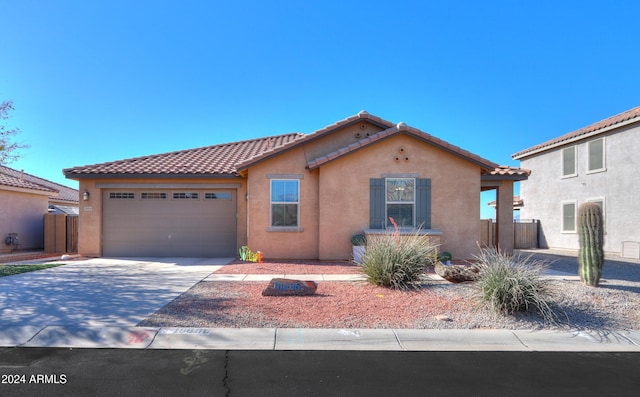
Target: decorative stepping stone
column 288, row 287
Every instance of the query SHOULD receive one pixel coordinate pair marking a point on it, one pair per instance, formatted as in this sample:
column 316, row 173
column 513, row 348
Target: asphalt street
column 125, row 372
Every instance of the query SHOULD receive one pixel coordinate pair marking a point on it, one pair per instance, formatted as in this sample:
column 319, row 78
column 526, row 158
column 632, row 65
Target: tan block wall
column 283, row 244
column 90, row 226
column 22, row 213
column 344, row 194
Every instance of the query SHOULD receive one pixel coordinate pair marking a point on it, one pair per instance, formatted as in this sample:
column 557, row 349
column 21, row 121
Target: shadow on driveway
column 102, row 291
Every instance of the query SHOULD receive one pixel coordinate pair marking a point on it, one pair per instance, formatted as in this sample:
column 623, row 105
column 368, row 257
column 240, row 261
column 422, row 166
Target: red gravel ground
column 335, row 304
column 286, row 267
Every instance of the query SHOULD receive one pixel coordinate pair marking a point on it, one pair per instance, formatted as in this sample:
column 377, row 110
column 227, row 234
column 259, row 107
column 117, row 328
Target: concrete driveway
column 102, row 291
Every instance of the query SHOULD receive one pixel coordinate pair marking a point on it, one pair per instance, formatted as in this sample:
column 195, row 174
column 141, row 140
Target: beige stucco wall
column 344, row 193
column 90, row 226
column 334, row 199
column 299, row 244
column 22, row 213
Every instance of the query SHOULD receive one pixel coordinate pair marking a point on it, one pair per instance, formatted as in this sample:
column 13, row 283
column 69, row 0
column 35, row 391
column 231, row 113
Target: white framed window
column 569, row 162
column 400, row 201
column 596, row 155
column 285, row 203
column 600, row 202
column 569, row 215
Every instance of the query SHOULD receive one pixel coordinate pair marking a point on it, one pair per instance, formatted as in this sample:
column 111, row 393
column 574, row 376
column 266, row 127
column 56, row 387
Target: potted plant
column 445, row 258
column 358, row 242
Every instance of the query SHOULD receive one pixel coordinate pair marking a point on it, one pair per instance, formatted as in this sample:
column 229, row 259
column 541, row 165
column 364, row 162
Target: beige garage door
column 169, row 223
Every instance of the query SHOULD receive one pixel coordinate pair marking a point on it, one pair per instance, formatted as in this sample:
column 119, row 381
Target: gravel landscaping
column 614, row 305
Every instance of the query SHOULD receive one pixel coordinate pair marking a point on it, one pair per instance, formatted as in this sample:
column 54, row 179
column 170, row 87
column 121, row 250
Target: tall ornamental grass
column 510, row 284
column 395, row 261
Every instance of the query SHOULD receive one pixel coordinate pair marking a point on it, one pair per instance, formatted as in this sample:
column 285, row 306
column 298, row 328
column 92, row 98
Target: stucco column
column 504, row 217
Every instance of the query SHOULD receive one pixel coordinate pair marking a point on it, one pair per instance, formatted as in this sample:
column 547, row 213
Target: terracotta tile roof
column 20, row 179
column 518, row 203
column 231, row 158
column 216, row 160
column 362, row 115
column 390, row 129
column 508, row 171
column 403, row 128
column 624, row 118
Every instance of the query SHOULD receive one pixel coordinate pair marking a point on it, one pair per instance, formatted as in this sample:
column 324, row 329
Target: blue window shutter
column 376, row 203
column 423, row 203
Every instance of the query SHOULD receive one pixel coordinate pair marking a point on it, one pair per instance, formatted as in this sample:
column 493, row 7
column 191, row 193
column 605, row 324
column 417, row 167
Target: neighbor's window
column 569, row 217
column 569, row 161
column 285, row 202
column 596, row 155
column 401, row 201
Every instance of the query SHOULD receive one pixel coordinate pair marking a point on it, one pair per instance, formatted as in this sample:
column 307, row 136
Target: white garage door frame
column 169, row 220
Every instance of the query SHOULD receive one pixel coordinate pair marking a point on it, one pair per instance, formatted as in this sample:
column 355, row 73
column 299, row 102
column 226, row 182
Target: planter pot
column 358, row 253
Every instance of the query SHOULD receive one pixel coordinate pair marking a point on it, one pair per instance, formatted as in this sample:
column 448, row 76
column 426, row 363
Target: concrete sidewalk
column 319, row 339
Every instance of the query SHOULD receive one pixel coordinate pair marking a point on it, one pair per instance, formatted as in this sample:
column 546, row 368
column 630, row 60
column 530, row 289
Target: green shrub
column 509, row 284
column 395, row 261
column 444, row 256
column 358, row 239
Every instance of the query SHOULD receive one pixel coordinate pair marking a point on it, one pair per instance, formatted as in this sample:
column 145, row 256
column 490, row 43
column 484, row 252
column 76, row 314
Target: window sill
column 285, row 229
column 406, row 231
column 599, row 170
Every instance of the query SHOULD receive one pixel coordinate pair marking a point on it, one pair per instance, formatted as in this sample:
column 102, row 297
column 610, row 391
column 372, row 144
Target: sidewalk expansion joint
column 520, row 340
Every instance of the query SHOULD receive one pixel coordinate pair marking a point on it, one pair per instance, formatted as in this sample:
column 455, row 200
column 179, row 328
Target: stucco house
column 24, row 200
column 597, row 163
column 292, row 196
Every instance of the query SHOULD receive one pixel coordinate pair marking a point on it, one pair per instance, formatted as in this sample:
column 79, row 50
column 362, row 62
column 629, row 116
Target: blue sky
column 96, row 81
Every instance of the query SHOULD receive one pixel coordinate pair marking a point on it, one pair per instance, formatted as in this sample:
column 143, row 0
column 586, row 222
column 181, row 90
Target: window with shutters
column 406, row 200
column 400, row 201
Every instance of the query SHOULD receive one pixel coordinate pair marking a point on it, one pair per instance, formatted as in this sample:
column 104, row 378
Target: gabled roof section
column 619, row 120
column 361, row 116
column 210, row 161
column 402, row 128
column 22, row 180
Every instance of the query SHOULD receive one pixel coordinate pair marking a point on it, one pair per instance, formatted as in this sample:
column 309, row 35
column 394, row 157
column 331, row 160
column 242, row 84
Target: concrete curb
column 176, row 338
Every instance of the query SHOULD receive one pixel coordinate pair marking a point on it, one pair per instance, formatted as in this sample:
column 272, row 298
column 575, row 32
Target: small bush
column 395, row 261
column 358, row 239
column 510, row 284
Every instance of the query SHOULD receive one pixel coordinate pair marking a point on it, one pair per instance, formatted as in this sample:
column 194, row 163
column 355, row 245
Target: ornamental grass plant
column 513, row 283
column 395, row 261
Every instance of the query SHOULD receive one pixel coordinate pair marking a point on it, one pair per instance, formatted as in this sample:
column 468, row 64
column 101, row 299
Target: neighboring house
column 24, row 200
column 597, row 163
column 291, row 196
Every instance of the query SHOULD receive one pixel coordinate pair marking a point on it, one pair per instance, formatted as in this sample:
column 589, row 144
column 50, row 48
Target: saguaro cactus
column 591, row 254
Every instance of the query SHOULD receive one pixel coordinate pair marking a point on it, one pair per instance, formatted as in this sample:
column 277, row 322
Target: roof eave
column 531, row 152
column 509, row 177
column 149, row 175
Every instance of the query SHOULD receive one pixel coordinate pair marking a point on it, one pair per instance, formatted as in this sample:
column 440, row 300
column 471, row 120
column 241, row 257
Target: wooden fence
column 525, row 233
column 60, row 233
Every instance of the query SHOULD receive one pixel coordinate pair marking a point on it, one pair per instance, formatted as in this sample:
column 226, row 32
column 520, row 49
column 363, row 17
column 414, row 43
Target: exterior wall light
column 85, row 195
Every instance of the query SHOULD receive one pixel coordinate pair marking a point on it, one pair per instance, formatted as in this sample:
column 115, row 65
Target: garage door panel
column 169, row 227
